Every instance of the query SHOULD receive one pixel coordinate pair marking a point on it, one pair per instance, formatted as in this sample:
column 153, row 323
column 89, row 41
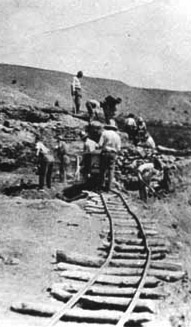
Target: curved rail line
column 79, row 294
column 120, row 287
column 126, row 315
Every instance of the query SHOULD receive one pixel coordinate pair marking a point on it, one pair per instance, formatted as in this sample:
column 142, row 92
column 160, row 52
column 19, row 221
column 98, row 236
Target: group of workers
column 46, row 160
column 93, row 106
column 108, row 144
column 137, row 131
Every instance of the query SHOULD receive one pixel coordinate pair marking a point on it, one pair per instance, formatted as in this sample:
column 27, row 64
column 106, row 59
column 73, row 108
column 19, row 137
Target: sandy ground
column 33, row 229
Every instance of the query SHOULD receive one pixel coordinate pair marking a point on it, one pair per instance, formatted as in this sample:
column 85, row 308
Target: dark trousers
column 45, row 173
column 62, row 172
column 77, row 100
column 107, row 166
column 142, row 191
column 63, row 165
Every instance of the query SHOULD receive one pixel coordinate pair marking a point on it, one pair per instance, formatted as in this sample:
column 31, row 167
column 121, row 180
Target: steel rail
column 58, row 315
column 126, row 315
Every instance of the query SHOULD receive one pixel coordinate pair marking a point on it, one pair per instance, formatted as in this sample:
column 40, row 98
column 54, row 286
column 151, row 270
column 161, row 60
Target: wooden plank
column 109, row 279
column 74, row 286
column 91, row 261
column 105, row 302
column 101, row 316
column 166, row 275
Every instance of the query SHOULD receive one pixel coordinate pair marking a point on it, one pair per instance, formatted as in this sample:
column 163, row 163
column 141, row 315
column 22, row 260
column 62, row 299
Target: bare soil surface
column 31, row 232
column 35, row 224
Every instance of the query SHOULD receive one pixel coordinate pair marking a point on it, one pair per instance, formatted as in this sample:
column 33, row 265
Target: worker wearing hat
column 89, row 145
column 76, row 91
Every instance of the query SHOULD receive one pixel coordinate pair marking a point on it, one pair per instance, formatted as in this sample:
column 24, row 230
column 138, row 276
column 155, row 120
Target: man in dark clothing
column 109, row 106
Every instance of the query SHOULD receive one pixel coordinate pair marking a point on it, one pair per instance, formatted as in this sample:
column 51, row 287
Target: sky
column 144, row 43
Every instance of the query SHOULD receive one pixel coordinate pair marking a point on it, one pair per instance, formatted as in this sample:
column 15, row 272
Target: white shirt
column 150, row 142
column 89, row 145
column 76, row 85
column 95, row 103
column 40, row 147
column 146, row 167
column 130, row 122
column 110, row 141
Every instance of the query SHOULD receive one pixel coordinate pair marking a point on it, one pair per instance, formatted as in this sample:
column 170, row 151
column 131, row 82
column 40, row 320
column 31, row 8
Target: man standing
column 45, row 163
column 62, row 154
column 76, row 91
column 89, row 147
column 110, row 143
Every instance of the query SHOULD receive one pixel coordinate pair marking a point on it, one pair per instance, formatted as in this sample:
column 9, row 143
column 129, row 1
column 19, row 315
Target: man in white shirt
column 61, row 150
column 89, row 147
column 145, row 173
column 76, row 91
column 131, row 127
column 110, row 143
column 45, row 162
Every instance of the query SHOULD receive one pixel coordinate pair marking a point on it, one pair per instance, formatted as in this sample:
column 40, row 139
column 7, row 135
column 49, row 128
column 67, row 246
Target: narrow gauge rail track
column 120, row 289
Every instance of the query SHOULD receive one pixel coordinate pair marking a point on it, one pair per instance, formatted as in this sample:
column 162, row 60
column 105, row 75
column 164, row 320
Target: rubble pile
column 17, row 139
column 131, row 157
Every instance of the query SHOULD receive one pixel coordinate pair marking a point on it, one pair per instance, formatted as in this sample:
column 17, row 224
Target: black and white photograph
column 95, row 163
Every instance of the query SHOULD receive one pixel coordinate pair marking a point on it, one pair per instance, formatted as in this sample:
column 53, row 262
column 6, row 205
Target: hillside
column 35, row 224
column 37, row 87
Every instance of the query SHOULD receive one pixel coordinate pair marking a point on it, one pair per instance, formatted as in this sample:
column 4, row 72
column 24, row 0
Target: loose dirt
column 32, row 229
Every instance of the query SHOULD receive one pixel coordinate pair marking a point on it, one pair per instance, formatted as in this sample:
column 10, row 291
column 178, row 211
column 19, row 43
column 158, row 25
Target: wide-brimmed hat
column 111, row 125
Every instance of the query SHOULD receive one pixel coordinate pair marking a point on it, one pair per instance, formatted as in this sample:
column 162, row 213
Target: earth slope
column 21, row 85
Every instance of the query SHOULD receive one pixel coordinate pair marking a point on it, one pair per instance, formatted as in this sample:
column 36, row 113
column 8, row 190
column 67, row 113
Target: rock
column 11, row 261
